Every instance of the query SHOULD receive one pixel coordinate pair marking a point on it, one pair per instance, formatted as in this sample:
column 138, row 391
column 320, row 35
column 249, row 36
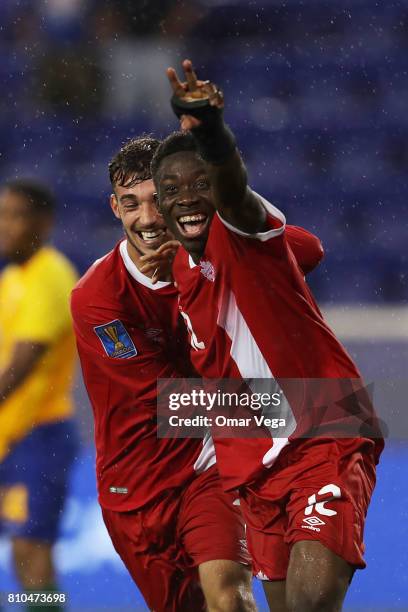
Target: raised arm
column 199, row 106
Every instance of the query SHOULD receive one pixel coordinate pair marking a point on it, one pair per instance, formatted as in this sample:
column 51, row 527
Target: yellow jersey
column 34, row 307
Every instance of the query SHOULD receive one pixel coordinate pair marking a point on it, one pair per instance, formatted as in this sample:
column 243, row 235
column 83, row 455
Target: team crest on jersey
column 116, row 340
column 207, row 270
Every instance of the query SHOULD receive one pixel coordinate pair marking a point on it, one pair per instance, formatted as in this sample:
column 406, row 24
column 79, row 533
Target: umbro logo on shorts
column 313, row 520
column 312, row 523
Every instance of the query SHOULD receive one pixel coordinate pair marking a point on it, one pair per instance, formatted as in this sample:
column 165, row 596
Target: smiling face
column 185, row 199
column 144, row 226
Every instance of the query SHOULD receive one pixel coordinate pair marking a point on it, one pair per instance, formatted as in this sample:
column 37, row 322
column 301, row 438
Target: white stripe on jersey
column 207, row 456
column 136, row 273
column 251, row 363
column 262, row 236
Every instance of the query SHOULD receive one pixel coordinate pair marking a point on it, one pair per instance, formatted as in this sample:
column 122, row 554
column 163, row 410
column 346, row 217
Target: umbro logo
column 313, row 523
column 152, row 333
column 314, row 520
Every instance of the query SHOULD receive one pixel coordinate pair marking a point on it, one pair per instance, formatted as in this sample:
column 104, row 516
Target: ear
column 114, row 205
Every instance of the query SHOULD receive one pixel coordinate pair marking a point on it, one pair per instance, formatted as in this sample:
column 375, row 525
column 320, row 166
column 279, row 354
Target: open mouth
column 192, row 225
column 151, row 237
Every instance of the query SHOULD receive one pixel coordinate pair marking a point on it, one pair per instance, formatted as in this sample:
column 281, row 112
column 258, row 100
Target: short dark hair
column 131, row 165
column 40, row 197
column 174, row 143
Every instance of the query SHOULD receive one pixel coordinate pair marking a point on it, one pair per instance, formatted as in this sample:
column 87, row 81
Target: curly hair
column 174, row 143
column 131, row 165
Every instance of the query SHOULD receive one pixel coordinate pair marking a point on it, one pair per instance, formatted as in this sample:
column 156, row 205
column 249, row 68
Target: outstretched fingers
column 177, row 86
column 190, row 75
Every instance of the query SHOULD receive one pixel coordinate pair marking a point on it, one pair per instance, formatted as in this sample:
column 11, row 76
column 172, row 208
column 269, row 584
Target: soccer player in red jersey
column 304, row 500
column 179, row 534
column 161, row 499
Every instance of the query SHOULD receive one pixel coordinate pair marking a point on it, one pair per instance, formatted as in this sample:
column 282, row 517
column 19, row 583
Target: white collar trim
column 191, row 262
column 136, row 273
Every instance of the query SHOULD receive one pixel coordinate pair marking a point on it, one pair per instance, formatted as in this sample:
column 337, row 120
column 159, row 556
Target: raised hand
column 159, row 262
column 191, row 90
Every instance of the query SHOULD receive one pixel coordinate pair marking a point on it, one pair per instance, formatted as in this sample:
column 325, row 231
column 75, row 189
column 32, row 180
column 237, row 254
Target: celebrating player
column 129, row 333
column 38, row 439
column 256, row 315
column 162, row 502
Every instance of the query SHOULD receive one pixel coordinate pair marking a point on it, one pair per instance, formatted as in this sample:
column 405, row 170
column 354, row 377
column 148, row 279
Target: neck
column 21, row 257
column 195, row 257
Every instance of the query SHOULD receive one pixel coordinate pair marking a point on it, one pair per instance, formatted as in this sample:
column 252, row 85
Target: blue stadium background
column 317, row 93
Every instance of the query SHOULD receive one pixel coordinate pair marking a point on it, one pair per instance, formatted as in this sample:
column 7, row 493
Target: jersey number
column 319, row 507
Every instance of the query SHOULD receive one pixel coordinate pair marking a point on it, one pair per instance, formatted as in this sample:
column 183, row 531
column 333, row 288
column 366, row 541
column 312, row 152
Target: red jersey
column 129, row 333
column 264, row 323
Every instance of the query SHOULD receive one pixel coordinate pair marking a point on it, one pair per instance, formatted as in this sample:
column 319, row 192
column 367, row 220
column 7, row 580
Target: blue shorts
column 34, row 481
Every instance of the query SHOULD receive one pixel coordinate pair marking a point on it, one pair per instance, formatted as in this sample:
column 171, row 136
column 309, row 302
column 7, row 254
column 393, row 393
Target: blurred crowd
column 316, row 92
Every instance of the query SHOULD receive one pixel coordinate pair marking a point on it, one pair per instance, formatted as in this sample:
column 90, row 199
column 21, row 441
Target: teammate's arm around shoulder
column 199, row 106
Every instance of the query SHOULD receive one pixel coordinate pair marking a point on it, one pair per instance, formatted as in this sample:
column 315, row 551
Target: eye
column 170, row 189
column 202, row 184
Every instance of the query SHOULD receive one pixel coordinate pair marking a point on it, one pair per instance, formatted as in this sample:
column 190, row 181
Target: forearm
column 199, row 106
column 229, row 181
column 9, row 381
column 24, row 358
column 233, row 198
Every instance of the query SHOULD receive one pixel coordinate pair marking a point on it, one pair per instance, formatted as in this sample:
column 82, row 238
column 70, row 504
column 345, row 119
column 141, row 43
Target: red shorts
column 162, row 544
column 317, row 490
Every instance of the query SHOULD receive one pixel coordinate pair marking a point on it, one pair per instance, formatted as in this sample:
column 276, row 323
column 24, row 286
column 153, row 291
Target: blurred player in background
column 38, row 439
column 247, row 303
column 180, row 536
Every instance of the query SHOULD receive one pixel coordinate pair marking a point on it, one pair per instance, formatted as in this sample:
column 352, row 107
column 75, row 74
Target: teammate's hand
column 159, row 263
column 193, row 89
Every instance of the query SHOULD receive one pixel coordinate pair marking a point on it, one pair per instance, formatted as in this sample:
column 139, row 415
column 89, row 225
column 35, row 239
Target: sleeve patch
column 116, row 340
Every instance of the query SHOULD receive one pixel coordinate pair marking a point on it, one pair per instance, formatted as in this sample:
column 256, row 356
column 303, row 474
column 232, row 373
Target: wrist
column 215, row 141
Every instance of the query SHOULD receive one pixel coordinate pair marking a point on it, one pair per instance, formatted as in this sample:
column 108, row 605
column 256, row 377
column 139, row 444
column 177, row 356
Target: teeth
column 150, row 235
column 190, row 218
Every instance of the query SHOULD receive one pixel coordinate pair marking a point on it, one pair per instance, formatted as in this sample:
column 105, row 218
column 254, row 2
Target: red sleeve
column 90, row 315
column 113, row 348
column 305, row 246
